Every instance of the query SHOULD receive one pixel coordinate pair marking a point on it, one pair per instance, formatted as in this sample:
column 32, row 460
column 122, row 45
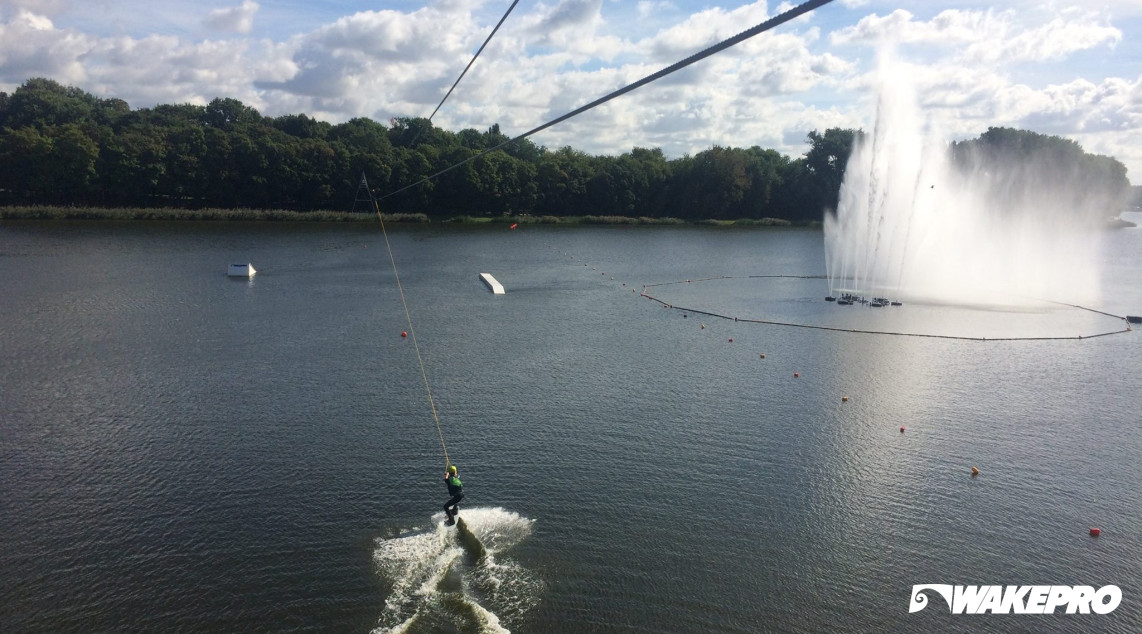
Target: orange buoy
column 1094, row 532
column 974, row 471
column 404, row 333
column 844, row 399
column 762, row 356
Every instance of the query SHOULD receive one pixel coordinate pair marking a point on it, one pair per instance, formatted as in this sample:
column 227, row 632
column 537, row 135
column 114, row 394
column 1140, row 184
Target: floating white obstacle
column 497, row 288
column 241, row 270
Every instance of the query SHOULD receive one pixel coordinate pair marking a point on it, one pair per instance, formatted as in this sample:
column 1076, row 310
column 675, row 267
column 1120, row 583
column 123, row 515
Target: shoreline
column 46, row 212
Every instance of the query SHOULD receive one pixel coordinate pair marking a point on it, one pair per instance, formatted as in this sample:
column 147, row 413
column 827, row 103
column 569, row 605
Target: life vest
column 454, row 485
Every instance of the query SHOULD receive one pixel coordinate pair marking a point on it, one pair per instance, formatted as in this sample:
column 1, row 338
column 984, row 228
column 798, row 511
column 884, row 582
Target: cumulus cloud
column 571, row 27
column 1052, row 41
column 41, row 7
column 986, row 36
column 647, row 8
column 31, row 45
column 553, row 57
column 703, row 29
column 238, row 19
column 969, row 67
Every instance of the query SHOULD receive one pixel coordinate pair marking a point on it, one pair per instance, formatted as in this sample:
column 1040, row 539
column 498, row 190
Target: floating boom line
column 775, row 21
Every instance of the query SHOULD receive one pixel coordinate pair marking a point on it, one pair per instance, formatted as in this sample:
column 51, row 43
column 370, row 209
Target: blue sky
column 1070, row 68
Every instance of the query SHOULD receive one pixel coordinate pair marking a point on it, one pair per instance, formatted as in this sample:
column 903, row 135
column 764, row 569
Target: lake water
column 180, row 451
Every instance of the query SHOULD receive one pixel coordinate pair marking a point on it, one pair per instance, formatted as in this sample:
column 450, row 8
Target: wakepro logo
column 1019, row 599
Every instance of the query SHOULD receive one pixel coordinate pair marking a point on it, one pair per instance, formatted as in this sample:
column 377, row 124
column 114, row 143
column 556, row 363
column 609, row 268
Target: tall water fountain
column 912, row 225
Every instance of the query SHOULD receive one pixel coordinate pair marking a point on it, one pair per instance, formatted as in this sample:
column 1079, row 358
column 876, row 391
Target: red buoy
column 796, row 375
column 403, row 333
column 1094, row 532
column 514, row 225
column 731, row 340
column 902, row 429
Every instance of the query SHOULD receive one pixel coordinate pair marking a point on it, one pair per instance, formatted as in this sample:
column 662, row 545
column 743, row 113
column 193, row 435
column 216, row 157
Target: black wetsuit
column 456, row 490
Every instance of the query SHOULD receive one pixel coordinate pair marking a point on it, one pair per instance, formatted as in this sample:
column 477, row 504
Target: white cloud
column 986, row 36
column 977, row 67
column 31, row 46
column 1052, row 41
column 701, row 30
column 238, row 19
column 40, row 7
column 647, row 8
column 949, row 28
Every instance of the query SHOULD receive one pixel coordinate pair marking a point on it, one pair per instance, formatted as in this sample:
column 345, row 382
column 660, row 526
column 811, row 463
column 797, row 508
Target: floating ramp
column 241, row 270
column 497, row 288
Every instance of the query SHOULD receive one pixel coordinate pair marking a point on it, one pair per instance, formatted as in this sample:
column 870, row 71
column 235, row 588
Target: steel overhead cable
column 775, row 21
column 396, row 275
column 473, row 61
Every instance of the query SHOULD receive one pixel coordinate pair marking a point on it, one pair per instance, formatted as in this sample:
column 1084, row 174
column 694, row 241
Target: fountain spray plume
column 922, row 219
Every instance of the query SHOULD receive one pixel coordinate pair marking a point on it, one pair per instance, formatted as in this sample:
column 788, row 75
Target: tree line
column 60, row 145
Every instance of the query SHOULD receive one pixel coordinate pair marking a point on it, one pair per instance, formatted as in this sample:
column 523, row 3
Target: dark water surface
column 180, row 451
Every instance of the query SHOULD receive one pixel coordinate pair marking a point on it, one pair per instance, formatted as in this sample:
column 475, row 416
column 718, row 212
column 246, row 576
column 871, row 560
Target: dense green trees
column 1046, row 171
column 60, row 145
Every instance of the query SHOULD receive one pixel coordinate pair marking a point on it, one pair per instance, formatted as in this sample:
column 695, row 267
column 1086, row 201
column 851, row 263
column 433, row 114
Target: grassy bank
column 232, row 215
column 281, row 215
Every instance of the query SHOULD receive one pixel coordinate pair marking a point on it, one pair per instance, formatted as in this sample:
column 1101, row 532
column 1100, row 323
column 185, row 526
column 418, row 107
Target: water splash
column 911, row 225
column 436, row 585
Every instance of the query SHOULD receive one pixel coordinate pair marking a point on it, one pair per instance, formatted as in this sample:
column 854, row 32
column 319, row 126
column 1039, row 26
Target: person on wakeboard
column 456, row 490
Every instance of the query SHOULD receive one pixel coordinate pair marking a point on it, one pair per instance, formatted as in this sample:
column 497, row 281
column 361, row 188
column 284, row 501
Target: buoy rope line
column 1088, row 309
column 775, row 21
column 412, row 333
column 736, row 277
column 770, row 322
